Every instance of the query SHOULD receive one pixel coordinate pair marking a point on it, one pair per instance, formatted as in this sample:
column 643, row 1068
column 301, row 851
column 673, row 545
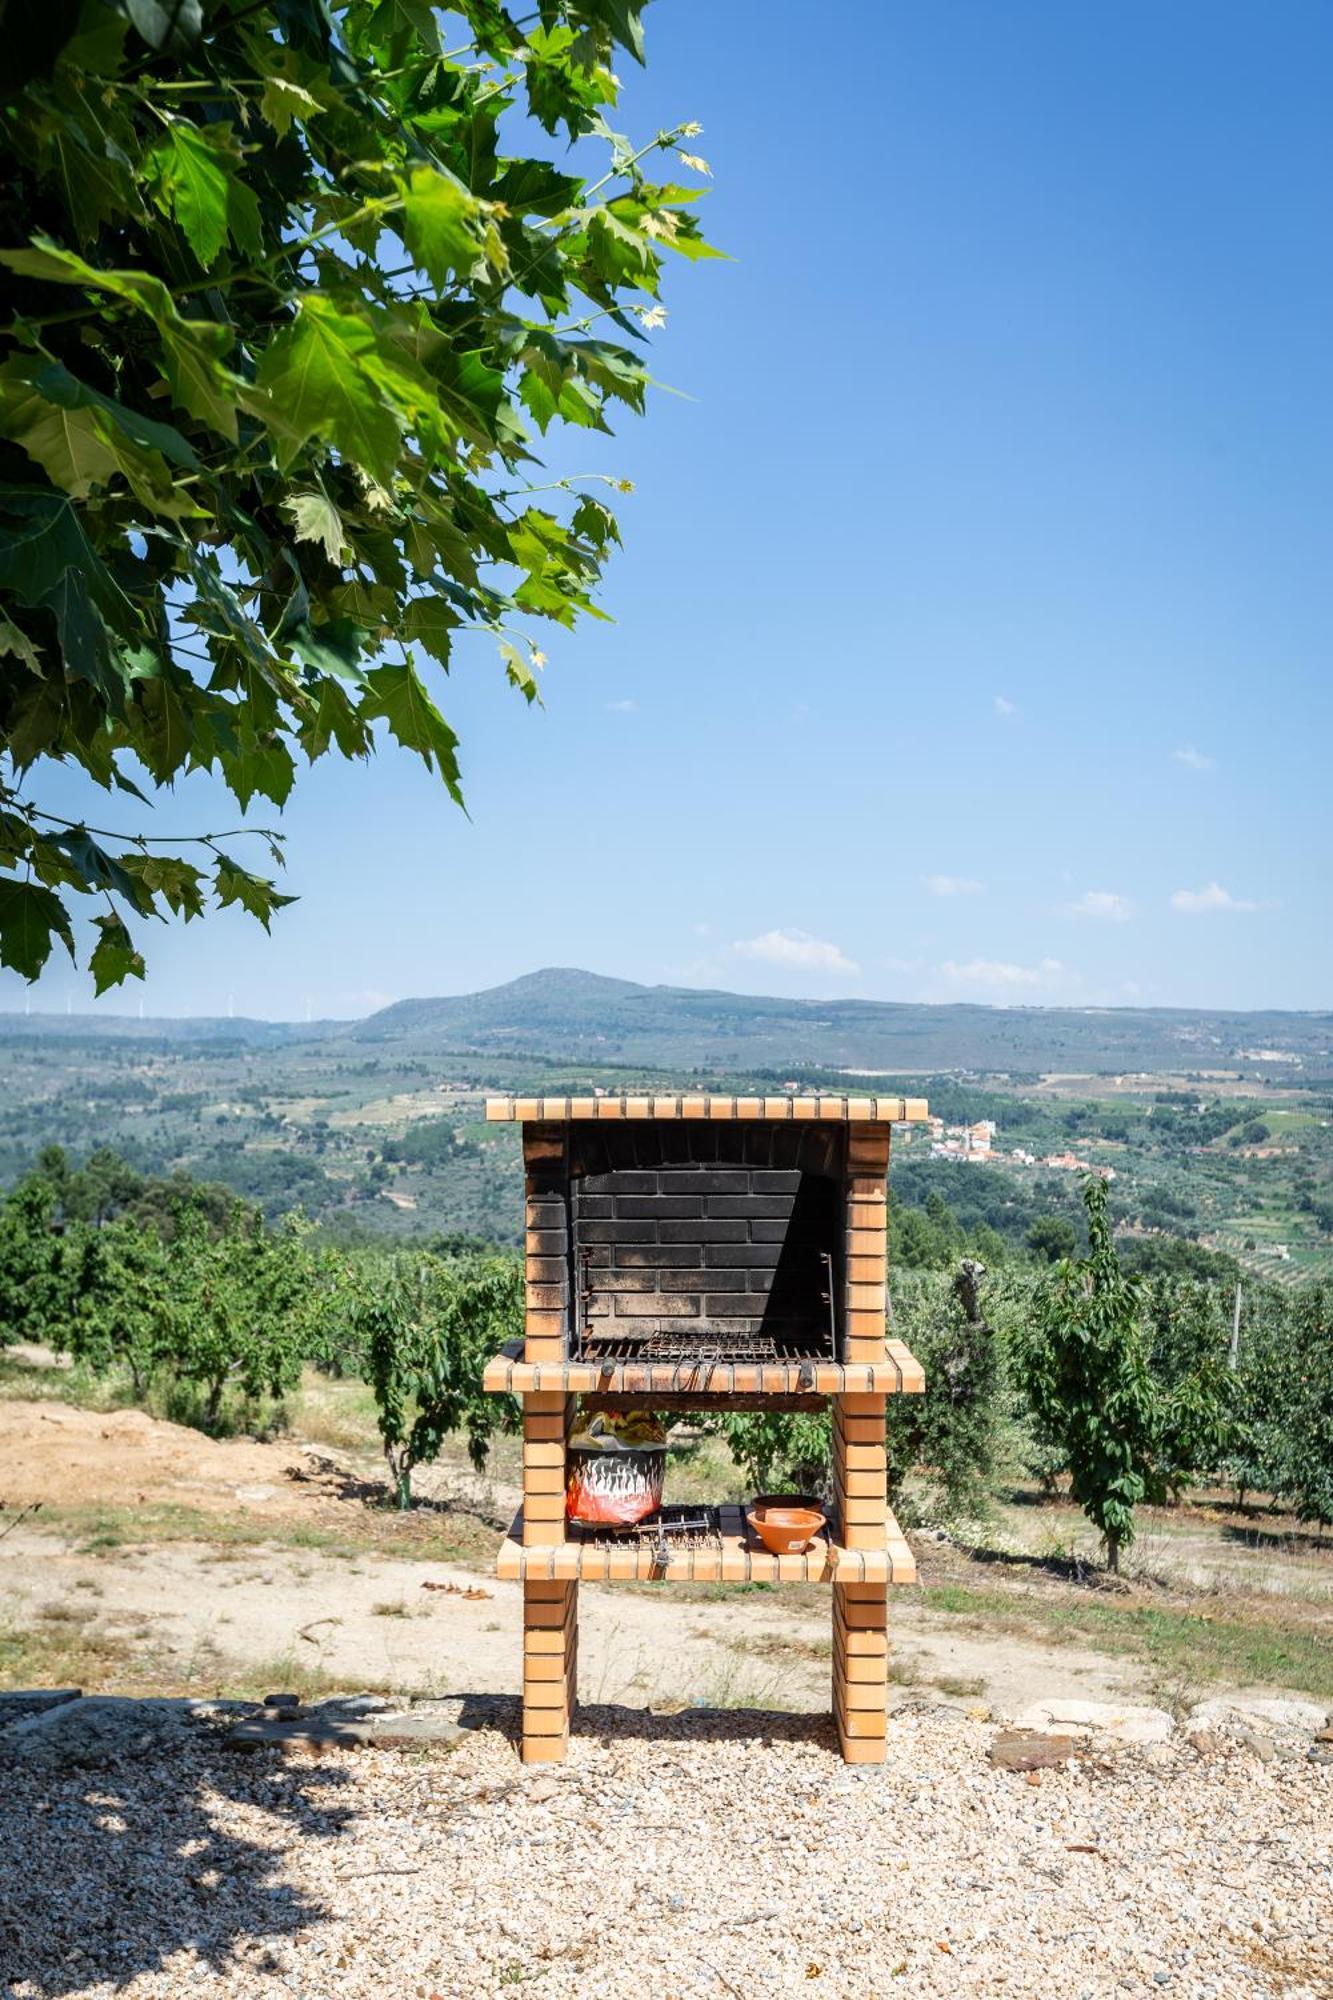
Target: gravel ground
column 700, row 1854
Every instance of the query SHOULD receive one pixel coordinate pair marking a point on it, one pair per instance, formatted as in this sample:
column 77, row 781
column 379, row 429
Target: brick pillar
column 861, row 1670
column 550, row 1668
column 860, row 1471
column 860, row 1610
column 546, row 1241
column 546, row 1419
column 865, row 1263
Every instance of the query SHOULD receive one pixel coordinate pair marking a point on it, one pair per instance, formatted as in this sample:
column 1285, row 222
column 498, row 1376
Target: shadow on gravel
column 609, row 1723
column 107, row 1873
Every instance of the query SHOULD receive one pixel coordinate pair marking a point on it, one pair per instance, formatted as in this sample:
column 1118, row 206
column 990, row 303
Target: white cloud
column 796, row 950
column 1000, row 975
column 951, row 885
column 1203, row 902
column 1195, row 760
column 1104, row 904
column 1005, row 707
column 626, row 707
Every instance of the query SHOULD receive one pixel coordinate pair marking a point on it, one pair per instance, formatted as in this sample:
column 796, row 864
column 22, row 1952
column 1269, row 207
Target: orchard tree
column 951, row 1431
column 123, row 1281
column 234, row 1313
column 427, row 1330
column 1302, row 1392
column 1084, row 1364
column 293, row 291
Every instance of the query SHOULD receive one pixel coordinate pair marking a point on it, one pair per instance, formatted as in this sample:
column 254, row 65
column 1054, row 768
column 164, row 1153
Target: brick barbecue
column 684, row 1252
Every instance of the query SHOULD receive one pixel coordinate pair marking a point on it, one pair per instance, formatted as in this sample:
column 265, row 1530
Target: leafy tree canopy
column 289, row 313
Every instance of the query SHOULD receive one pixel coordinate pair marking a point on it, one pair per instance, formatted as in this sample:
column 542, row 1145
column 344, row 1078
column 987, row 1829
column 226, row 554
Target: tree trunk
column 213, row 1406
column 1113, row 1553
column 400, row 1465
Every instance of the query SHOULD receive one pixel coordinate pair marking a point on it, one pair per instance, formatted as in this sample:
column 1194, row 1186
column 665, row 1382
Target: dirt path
column 176, row 1607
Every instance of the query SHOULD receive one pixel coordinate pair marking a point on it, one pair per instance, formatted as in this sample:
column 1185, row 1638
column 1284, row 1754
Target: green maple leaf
column 193, row 178
column 431, row 622
column 30, row 919
column 396, row 695
column 114, row 957
column 318, row 375
column 68, row 444
column 234, row 884
column 18, row 643
column 282, row 101
column 442, row 223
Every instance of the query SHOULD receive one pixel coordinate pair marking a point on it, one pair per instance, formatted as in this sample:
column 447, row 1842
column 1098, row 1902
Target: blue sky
column 971, row 635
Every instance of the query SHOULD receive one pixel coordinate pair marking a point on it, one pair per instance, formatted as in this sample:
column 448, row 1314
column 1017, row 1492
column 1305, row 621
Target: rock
column 1263, row 1747
column 96, row 1730
column 1321, row 1753
column 388, row 1732
column 1029, row 1750
column 1323, row 1736
column 541, row 1790
column 1207, row 1742
column 1275, row 1714
column 326, row 1728
column 282, row 1701
column 355, row 1704
column 21, row 1702
column 277, row 1730
column 1102, row 1721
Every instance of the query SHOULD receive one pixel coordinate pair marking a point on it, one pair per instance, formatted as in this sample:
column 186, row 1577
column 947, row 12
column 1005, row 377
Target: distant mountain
column 564, row 1017
column 570, row 1016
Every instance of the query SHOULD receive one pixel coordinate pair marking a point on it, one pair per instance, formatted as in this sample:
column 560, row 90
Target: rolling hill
column 566, row 1015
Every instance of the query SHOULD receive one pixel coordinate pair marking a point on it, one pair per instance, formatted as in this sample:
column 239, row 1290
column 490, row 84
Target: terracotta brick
column 868, row 1243
column 860, row 1752
column 548, row 1750
column 545, row 1614
column 864, row 1485
column 858, row 1405
column 865, row 1298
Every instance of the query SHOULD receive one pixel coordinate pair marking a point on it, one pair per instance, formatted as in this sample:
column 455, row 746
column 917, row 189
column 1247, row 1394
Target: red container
column 614, row 1489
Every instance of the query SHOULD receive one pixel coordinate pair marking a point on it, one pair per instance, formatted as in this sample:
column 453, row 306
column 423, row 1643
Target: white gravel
column 702, row 1854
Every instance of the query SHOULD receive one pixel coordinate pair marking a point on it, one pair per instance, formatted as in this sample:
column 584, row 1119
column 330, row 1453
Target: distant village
column 976, row 1144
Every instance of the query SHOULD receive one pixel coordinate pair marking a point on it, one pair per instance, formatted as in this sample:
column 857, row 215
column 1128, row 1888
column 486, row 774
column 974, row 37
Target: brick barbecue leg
column 860, row 1669
column 550, row 1669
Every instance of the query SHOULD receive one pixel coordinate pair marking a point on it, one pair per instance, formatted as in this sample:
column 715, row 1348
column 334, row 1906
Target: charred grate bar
column 677, row 1528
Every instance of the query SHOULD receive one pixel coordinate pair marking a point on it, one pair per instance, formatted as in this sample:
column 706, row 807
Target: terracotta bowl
column 784, row 1530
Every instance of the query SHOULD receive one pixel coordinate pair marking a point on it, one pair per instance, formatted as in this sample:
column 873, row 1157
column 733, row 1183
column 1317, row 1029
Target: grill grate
column 696, row 1348
column 673, row 1529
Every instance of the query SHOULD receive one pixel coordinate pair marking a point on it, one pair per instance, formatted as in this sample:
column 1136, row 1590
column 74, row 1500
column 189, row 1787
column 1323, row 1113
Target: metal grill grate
column 673, row 1529
column 695, row 1349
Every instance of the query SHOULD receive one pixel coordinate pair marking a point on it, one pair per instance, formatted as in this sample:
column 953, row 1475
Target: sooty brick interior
column 706, row 1232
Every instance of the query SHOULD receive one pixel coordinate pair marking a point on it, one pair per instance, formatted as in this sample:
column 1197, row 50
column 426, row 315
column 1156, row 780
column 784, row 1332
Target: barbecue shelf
column 897, row 1374
column 741, row 1558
